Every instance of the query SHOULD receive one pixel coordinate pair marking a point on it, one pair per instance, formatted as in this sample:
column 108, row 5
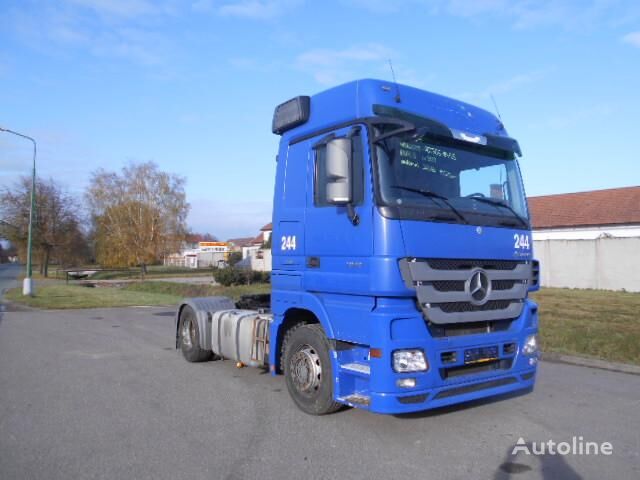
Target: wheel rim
column 188, row 331
column 306, row 370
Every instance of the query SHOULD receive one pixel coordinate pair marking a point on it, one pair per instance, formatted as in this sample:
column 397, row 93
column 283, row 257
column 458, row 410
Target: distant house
column 200, row 255
column 588, row 239
column 237, row 244
column 255, row 255
column 264, row 235
column 613, row 212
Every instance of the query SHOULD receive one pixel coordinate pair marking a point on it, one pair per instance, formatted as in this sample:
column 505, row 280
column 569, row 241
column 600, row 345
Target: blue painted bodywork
column 357, row 293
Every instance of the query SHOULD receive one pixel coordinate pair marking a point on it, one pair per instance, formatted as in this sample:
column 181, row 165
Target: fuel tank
column 241, row 335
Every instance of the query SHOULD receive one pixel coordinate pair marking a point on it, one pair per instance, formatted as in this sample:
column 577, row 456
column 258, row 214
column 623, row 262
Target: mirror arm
column 353, row 215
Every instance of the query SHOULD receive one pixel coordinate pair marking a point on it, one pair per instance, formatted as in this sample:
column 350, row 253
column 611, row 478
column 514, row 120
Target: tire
column 190, row 337
column 307, row 369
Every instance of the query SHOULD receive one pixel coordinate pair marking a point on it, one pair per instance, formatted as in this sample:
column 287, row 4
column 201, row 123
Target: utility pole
column 27, row 284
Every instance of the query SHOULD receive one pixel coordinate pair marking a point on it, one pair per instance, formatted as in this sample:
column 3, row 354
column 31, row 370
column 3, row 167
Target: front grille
column 470, row 328
column 535, row 273
column 465, row 264
column 462, row 370
column 448, row 357
column 468, row 307
column 502, row 284
column 452, row 291
column 449, row 285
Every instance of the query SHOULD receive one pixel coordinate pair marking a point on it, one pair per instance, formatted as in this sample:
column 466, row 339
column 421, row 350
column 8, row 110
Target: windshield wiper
column 499, row 203
column 432, row 195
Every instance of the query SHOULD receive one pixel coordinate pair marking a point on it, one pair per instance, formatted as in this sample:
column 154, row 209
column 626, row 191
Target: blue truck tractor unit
column 402, row 258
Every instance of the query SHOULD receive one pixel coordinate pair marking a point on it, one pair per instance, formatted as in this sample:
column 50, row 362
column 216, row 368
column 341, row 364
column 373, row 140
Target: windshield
column 442, row 179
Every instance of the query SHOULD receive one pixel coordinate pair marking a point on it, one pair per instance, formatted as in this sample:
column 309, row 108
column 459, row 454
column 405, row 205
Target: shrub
column 236, row 276
column 229, row 276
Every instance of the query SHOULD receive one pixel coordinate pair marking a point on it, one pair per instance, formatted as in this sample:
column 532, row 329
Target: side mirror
column 338, row 164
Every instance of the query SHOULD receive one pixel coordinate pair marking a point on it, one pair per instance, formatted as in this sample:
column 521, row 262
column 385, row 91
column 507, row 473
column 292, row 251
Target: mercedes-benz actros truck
column 402, row 258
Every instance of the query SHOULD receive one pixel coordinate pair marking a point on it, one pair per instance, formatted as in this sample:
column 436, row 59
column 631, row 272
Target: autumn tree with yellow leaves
column 138, row 215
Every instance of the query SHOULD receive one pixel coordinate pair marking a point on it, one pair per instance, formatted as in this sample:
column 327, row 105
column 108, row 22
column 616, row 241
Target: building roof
column 614, row 206
column 267, row 227
column 259, row 240
column 240, row 242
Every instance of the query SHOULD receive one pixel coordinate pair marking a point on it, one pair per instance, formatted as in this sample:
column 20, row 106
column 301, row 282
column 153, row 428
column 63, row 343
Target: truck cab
column 401, row 235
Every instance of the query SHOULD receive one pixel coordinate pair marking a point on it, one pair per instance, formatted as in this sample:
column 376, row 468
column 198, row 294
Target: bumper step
column 356, row 400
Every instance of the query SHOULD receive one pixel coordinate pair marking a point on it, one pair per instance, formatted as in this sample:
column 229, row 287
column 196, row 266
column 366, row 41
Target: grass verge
column 593, row 323
column 590, row 323
column 188, row 290
column 61, row 296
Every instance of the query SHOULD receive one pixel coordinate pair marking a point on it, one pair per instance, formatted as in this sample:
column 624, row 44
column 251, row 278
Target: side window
column 320, row 177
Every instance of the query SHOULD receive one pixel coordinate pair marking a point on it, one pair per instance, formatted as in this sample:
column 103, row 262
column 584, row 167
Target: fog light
column 409, row 361
column 406, row 382
column 530, row 346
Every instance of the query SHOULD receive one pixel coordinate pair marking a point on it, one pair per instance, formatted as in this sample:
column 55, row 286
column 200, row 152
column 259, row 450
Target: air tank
column 242, row 336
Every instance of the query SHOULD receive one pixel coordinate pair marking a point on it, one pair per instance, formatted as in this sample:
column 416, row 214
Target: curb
column 553, row 357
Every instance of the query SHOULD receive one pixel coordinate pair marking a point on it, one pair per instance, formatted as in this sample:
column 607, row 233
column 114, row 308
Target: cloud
column 121, row 8
column 125, row 30
column 332, row 66
column 522, row 14
column 377, row 6
column 504, row 86
column 632, row 39
column 251, row 9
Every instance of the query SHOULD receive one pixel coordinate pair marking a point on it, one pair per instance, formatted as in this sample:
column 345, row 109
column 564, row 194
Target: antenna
column 495, row 105
column 393, row 75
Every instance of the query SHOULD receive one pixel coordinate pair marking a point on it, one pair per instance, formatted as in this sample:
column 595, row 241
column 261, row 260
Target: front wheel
column 308, row 371
column 190, row 337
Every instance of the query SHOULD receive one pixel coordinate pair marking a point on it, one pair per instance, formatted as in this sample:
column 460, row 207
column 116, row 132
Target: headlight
column 530, row 346
column 409, row 361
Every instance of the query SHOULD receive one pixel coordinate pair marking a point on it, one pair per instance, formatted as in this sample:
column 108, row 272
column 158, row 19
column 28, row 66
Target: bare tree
column 138, row 215
column 57, row 234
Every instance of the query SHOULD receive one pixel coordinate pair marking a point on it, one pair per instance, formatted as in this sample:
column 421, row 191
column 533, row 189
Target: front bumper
column 415, row 401
column 448, row 380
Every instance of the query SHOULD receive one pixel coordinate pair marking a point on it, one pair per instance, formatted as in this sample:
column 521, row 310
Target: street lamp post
column 27, row 284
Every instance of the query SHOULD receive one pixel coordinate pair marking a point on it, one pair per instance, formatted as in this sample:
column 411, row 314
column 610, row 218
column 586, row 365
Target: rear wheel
column 308, row 371
column 190, row 337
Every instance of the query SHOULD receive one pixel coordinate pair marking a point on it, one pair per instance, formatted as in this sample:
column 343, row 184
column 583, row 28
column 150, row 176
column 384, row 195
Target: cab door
column 338, row 244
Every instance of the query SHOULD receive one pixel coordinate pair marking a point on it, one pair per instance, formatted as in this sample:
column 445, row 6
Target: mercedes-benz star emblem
column 478, row 287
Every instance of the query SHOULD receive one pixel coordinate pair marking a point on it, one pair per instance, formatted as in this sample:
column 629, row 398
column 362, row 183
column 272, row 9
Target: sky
column 192, row 85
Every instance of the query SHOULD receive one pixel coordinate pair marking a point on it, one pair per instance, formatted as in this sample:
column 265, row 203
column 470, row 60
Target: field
column 594, row 323
column 591, row 323
column 57, row 295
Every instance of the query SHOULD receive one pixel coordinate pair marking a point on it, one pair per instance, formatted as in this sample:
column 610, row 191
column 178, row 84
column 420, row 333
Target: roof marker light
column 469, row 137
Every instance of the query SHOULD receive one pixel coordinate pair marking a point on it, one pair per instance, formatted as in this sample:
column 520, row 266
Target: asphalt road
column 102, row 394
column 8, row 274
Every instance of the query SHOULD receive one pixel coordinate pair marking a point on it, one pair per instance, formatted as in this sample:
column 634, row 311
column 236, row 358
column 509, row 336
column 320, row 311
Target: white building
column 206, row 254
column 586, row 215
column 257, row 255
column 588, row 239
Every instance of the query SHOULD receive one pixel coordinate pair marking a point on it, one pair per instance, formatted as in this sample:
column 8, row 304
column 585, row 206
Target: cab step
column 356, row 367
